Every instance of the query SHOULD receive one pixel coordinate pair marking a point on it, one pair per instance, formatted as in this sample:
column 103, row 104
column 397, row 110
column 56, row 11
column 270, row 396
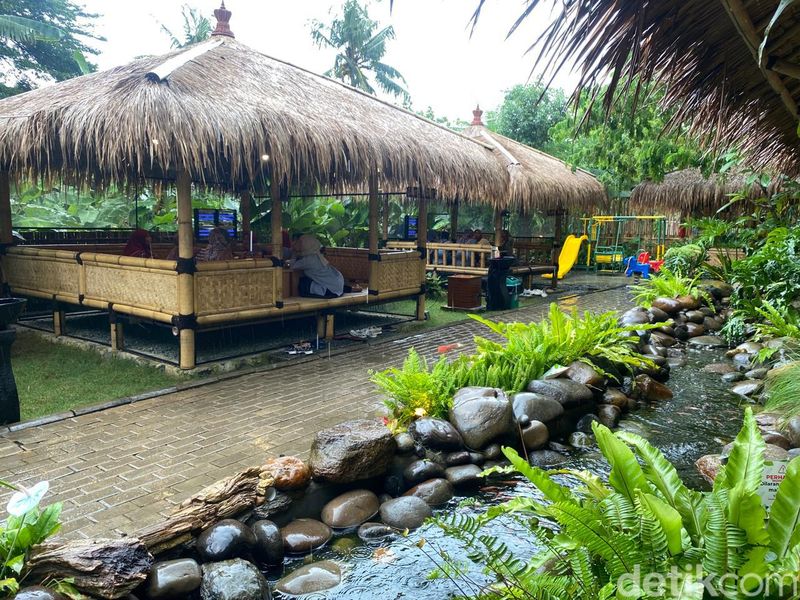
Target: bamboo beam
column 744, row 25
column 185, row 280
column 784, row 67
column 422, row 244
column 6, row 235
column 244, row 210
column 373, row 230
column 276, row 218
column 498, row 225
column 385, row 219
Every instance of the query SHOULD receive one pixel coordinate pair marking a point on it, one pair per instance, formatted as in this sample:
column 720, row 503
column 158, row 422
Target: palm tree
column 196, row 28
column 20, row 29
column 360, row 50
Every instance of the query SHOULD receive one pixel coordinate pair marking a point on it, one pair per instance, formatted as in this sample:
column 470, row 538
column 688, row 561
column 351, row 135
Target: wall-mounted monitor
column 410, row 227
column 206, row 219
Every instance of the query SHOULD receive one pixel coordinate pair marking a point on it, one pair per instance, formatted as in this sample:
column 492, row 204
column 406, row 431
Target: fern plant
column 644, row 534
column 668, row 284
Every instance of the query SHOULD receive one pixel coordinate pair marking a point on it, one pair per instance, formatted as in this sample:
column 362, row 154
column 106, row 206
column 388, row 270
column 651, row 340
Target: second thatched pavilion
column 220, row 114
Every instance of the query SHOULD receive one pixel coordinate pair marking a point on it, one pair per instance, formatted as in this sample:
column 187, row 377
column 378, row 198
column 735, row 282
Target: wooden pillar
column 59, row 319
column 422, row 245
column 498, row 225
column 454, row 221
column 558, row 234
column 325, row 326
column 6, row 237
column 117, row 332
column 374, row 263
column 276, row 217
column 244, row 210
column 385, row 219
column 186, row 317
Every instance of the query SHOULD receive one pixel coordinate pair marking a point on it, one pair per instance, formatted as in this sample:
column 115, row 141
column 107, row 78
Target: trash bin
column 514, row 285
column 497, row 296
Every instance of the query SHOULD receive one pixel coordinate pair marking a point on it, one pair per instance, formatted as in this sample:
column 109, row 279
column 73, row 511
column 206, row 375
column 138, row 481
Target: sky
column 444, row 67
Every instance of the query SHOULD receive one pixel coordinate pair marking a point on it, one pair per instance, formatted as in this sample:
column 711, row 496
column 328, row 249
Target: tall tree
column 527, row 114
column 28, row 54
column 196, row 28
column 360, row 49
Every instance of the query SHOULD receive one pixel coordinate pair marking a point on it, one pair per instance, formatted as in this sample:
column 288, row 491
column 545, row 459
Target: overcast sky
column 444, row 68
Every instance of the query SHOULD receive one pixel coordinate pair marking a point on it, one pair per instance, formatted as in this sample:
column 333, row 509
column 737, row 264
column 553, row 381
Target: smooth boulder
column 536, row 407
column 464, row 475
column 649, row 389
column 351, row 451
column 309, row 579
column 669, row 306
column 434, row 491
column 581, row 372
column 268, row 548
column 351, row 509
column 304, row 535
column 480, row 415
column 405, row 512
column 566, row 392
column 436, row 434
column 535, row 435
column 234, row 579
column 708, row 341
column 173, row 578
column 226, row 539
column 422, row 470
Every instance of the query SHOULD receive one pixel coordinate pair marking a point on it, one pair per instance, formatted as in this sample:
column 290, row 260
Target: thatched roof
column 539, row 181
column 706, row 52
column 232, row 116
column 690, row 193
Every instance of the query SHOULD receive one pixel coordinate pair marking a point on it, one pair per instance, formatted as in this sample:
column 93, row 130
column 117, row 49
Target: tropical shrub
column 526, row 352
column 643, row 534
column 434, row 286
column 782, row 390
column 668, row 284
column 775, row 323
column 685, row 260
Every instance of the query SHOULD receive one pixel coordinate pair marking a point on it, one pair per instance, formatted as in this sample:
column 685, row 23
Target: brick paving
column 123, row 468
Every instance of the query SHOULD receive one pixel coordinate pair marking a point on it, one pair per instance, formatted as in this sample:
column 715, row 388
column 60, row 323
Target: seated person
column 139, row 245
column 320, row 279
column 218, row 247
column 506, row 244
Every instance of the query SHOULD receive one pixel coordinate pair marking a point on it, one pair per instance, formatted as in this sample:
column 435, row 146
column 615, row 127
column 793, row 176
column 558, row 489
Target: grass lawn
column 54, row 378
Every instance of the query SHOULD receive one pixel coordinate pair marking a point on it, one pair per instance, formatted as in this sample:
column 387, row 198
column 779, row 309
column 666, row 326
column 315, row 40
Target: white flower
column 27, row 499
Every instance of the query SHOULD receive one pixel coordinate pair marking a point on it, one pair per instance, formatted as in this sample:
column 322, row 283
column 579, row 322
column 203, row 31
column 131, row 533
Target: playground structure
column 568, row 255
column 614, row 238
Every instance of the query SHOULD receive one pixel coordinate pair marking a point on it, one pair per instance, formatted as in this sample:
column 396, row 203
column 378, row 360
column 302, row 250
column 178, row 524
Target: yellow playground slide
column 569, row 255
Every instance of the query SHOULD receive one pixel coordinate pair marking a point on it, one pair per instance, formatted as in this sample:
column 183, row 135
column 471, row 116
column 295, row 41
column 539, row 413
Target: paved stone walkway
column 121, row 469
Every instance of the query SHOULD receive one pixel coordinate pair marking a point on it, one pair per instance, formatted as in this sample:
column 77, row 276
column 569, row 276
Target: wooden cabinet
column 464, row 292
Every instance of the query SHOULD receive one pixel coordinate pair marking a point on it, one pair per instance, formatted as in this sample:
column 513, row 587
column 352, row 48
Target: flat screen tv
column 206, row 219
column 410, row 227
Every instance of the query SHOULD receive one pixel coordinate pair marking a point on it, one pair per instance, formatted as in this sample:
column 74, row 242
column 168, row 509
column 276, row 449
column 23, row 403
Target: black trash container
column 497, row 296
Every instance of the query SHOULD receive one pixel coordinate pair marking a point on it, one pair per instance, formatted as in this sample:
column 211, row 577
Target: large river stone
column 351, row 509
column 708, row 341
column 269, row 542
column 535, row 435
column 481, row 414
column 173, row 578
column 651, row 390
column 290, row 472
column 464, row 475
column 38, row 592
column 309, row 579
column 305, row 535
column 434, row 491
column 405, row 512
column 228, row 538
column 536, row 407
column 580, row 372
column 234, row 579
column 422, row 470
column 436, row 434
column 567, row 392
column 351, row 451
column 667, row 305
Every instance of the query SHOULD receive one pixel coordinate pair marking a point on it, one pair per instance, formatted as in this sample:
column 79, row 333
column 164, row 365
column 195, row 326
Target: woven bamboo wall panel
column 233, row 291
column 399, row 274
column 52, row 276
column 142, row 288
column 352, row 263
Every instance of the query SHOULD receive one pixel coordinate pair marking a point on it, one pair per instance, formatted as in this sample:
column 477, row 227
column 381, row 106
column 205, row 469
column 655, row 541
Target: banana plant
column 644, row 534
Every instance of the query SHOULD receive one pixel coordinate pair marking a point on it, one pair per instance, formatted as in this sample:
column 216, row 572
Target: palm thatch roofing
column 234, row 117
column 731, row 67
column 690, row 193
column 539, row 181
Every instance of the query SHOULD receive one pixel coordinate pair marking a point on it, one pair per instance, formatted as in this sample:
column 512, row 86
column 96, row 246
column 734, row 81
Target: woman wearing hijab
column 218, row 247
column 320, row 279
column 139, row 245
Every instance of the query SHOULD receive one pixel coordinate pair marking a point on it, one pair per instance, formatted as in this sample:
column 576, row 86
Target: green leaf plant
column 644, row 534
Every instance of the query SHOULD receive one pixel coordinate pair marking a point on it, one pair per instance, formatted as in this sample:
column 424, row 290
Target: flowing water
column 701, row 417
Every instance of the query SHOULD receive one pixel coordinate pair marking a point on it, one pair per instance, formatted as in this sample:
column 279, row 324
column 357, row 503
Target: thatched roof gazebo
column 731, row 68
column 221, row 114
column 689, row 192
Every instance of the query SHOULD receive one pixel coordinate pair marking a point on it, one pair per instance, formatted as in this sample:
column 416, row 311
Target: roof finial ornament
column 476, row 116
column 223, row 16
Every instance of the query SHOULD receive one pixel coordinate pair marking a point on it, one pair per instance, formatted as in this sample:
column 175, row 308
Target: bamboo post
column 6, row 236
column 374, row 257
column 558, row 233
column 186, row 331
column 244, row 210
column 422, row 244
column 59, row 320
column 276, row 219
column 385, row 219
column 325, row 326
column 117, row 332
column 498, row 226
column 454, row 221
